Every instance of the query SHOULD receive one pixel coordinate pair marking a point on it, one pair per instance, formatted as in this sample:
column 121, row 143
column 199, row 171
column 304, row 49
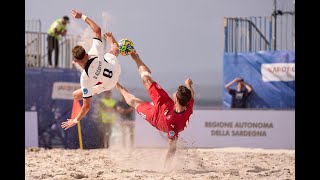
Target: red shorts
column 154, row 113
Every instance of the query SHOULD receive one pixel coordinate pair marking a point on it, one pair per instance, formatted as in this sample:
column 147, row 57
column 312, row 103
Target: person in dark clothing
column 239, row 95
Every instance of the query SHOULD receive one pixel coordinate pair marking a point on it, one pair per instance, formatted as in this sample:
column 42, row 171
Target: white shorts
column 97, row 89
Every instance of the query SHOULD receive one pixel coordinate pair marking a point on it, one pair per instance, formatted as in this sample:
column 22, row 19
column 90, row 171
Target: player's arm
column 171, row 152
column 110, row 38
column 96, row 29
column 83, row 111
column 189, row 85
column 231, row 82
column 113, row 43
column 87, row 93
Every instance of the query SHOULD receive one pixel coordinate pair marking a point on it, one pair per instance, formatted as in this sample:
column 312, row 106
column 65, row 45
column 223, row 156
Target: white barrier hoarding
column 31, row 129
column 274, row 129
column 64, row 90
column 278, row 72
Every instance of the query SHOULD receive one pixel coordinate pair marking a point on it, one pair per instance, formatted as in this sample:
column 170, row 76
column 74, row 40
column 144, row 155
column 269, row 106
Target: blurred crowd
column 114, row 120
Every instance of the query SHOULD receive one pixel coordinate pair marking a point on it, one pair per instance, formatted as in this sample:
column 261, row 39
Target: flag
column 75, row 111
column 75, row 108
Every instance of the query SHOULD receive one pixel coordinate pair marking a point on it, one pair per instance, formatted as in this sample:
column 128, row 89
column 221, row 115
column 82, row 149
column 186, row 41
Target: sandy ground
column 147, row 163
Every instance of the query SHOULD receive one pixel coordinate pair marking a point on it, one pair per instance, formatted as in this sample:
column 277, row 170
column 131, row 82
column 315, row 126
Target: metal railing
column 32, row 42
column 284, row 30
column 247, row 34
column 36, row 52
column 251, row 34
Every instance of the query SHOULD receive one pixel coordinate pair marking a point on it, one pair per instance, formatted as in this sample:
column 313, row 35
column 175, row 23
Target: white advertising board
column 31, row 129
column 64, row 90
column 278, row 72
column 274, row 129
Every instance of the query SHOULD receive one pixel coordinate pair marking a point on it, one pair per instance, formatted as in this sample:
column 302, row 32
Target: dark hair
column 78, row 52
column 241, row 80
column 65, row 18
column 183, row 95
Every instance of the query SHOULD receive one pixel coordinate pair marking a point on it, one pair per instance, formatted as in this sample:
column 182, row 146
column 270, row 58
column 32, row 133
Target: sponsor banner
column 31, row 129
column 278, row 72
column 49, row 92
column 274, row 129
column 271, row 74
column 64, row 90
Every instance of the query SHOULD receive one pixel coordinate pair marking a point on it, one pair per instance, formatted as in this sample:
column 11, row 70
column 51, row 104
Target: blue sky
column 177, row 39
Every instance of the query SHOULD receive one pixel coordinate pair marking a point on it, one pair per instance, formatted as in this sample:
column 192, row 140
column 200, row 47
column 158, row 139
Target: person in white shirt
column 101, row 70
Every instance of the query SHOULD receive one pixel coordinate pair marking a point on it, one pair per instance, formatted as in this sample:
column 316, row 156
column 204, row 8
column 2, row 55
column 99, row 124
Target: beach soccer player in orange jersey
column 167, row 115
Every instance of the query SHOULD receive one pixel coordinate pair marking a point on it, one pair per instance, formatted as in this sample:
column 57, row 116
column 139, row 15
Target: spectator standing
column 239, row 95
column 126, row 114
column 57, row 29
column 107, row 114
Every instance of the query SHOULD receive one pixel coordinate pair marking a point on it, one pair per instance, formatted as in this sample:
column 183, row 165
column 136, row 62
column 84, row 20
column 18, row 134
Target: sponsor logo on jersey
column 85, row 91
column 98, row 69
column 171, row 133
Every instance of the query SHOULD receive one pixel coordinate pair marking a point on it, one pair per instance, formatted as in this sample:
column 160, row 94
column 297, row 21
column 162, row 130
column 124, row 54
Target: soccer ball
column 126, row 47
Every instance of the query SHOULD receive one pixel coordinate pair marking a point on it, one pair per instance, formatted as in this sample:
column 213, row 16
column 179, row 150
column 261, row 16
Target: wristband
column 145, row 73
column 75, row 120
column 83, row 17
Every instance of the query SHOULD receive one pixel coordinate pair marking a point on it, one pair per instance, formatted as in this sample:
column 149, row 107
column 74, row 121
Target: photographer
column 239, row 95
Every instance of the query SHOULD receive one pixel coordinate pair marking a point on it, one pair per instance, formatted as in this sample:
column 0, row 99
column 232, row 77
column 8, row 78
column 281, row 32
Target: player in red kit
column 168, row 115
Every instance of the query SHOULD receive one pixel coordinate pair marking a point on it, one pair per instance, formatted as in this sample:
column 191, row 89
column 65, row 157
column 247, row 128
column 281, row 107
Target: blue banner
column 39, row 85
column 271, row 74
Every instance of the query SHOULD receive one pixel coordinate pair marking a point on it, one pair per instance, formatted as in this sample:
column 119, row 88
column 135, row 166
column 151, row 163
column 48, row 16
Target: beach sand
column 147, row 163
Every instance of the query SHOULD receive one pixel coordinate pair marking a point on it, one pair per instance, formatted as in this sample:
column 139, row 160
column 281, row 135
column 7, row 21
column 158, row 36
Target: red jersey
column 161, row 112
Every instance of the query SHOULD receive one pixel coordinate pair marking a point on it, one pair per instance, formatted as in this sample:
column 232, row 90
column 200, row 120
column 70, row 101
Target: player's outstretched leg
column 140, row 64
column 144, row 70
column 131, row 100
column 77, row 94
